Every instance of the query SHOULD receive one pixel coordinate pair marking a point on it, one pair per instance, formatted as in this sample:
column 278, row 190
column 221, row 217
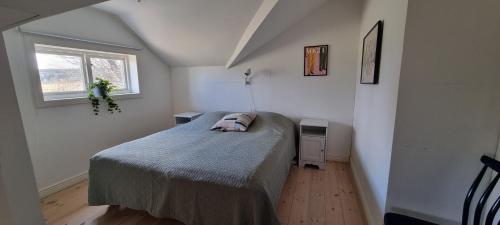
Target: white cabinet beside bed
column 313, row 139
column 182, row 118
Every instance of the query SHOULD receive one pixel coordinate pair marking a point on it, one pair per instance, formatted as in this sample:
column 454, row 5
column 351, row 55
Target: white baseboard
column 362, row 193
column 338, row 158
column 61, row 185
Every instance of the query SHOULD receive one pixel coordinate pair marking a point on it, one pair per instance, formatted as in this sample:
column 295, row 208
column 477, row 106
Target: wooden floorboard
column 333, row 207
column 309, row 197
column 286, row 200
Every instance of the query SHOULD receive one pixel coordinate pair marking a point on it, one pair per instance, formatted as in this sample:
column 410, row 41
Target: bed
column 199, row 176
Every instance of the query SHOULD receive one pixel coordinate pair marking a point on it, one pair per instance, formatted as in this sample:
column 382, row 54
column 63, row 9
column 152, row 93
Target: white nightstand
column 313, row 139
column 186, row 117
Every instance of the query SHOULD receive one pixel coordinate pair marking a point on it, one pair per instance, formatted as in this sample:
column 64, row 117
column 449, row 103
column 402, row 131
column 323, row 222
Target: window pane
column 110, row 69
column 60, row 73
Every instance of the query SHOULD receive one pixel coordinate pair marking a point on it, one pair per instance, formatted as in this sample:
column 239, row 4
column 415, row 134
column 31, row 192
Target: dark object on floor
column 397, row 219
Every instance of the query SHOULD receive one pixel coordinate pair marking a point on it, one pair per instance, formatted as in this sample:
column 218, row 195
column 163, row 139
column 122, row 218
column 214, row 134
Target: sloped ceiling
column 46, row 7
column 208, row 33
column 17, row 12
column 187, row 32
column 272, row 18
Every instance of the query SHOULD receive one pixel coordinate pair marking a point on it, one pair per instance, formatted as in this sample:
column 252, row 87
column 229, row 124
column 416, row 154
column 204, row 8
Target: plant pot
column 98, row 92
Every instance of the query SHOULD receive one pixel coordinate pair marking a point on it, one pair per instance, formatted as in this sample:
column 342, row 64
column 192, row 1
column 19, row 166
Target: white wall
column 18, row 197
column 66, row 137
column 279, row 84
column 448, row 107
column 375, row 108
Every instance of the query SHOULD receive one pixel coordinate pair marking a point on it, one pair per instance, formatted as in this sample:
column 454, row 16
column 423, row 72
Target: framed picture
column 372, row 47
column 316, row 60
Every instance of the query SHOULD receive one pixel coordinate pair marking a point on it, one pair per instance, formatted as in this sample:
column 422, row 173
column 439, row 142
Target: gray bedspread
column 198, row 176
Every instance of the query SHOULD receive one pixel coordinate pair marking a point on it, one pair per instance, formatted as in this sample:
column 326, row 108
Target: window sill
column 83, row 100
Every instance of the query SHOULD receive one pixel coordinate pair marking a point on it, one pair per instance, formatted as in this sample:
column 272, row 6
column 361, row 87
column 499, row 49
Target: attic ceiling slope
column 17, row 12
column 273, row 17
column 187, row 32
column 46, row 7
column 257, row 20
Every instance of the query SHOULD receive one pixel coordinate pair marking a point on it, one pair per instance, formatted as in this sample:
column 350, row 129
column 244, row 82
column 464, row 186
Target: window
column 110, row 69
column 60, row 73
column 65, row 73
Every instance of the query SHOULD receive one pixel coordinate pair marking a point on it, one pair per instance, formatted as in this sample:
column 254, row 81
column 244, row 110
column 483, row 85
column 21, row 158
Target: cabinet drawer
column 312, row 148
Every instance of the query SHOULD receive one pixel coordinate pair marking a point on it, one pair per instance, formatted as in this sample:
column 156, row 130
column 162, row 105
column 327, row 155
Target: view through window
column 60, row 73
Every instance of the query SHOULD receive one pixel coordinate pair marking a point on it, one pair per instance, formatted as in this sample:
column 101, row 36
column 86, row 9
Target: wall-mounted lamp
column 247, row 76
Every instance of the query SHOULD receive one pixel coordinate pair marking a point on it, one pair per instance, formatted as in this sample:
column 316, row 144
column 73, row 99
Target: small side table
column 313, row 139
column 186, row 117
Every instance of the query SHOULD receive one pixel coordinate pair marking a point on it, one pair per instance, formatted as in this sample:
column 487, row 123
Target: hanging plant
column 102, row 89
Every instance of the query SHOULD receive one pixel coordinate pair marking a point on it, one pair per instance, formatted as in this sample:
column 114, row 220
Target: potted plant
column 102, row 89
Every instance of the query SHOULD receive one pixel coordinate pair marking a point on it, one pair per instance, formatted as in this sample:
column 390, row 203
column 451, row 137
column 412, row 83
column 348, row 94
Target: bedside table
column 313, row 139
column 186, row 117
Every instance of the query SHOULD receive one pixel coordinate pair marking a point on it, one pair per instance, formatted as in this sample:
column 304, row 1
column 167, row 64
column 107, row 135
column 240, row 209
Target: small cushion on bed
column 235, row 122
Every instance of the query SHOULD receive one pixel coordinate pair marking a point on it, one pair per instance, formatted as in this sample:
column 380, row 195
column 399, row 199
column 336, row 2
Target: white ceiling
column 187, row 32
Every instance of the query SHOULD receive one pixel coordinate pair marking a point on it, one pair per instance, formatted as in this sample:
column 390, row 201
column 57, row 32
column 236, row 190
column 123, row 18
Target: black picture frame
column 372, row 78
column 326, row 60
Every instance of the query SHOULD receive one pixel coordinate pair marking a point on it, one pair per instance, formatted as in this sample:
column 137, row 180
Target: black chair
column 397, row 219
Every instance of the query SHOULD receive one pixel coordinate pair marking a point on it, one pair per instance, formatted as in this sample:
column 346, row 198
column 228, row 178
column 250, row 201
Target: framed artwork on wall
column 372, row 49
column 316, row 60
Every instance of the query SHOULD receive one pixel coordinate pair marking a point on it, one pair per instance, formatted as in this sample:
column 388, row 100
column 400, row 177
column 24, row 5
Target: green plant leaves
column 105, row 88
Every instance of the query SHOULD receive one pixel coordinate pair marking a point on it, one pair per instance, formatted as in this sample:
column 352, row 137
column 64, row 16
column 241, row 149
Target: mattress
column 199, row 176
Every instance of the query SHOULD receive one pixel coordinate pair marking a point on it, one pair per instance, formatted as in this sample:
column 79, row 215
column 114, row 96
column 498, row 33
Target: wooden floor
column 310, row 196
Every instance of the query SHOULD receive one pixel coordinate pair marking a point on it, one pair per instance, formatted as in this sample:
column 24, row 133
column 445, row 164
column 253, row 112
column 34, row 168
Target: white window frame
column 106, row 55
column 87, row 50
column 67, row 94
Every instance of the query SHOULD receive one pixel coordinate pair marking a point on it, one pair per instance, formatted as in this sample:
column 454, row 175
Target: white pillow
column 235, row 122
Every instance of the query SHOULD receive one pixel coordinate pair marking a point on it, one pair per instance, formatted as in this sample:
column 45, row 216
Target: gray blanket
column 198, row 176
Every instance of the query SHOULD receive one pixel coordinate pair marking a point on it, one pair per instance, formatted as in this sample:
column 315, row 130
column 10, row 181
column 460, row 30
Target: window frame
column 53, row 51
column 105, row 55
column 133, row 80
